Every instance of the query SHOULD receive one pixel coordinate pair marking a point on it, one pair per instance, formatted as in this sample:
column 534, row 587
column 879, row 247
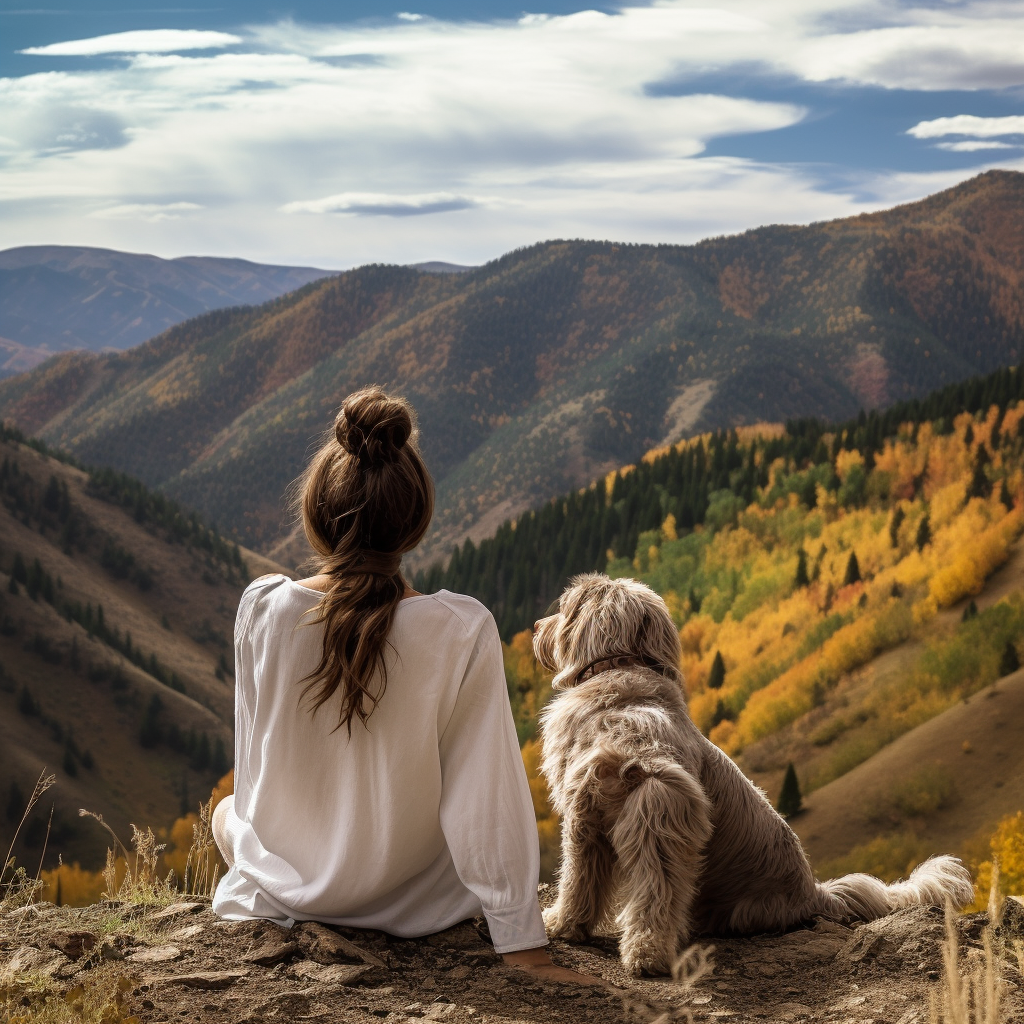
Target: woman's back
column 419, row 818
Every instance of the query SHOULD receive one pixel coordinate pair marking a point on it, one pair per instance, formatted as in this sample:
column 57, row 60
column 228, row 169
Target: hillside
column 54, row 298
column 835, row 587
column 116, row 617
column 543, row 370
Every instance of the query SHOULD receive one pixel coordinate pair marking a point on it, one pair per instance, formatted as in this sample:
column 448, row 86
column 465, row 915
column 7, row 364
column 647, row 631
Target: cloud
column 968, row 124
column 381, row 204
column 406, row 16
column 973, row 147
column 151, row 213
column 161, row 40
column 550, row 117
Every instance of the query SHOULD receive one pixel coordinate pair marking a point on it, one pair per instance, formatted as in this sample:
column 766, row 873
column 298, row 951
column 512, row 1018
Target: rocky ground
column 114, row 962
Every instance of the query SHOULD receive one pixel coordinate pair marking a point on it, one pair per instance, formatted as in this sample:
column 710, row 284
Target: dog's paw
column 558, row 926
column 644, row 957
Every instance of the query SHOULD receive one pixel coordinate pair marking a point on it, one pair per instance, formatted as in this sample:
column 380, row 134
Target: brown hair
column 366, row 498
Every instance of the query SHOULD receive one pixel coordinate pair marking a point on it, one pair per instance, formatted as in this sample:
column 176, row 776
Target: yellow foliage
column 1006, row 845
column 845, row 461
column 548, row 824
column 70, row 885
column 668, row 528
column 976, row 559
column 947, row 502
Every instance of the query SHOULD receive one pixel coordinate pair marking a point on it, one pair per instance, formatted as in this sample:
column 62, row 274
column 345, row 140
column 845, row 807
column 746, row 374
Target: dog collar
column 605, row 664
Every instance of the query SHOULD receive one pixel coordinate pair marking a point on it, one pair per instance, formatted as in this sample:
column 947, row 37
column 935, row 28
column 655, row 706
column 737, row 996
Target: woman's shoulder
column 463, row 611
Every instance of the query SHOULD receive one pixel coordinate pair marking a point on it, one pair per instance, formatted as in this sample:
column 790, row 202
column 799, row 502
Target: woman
column 378, row 781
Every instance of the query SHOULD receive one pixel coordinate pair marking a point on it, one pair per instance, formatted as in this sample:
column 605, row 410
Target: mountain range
column 542, row 370
column 58, row 297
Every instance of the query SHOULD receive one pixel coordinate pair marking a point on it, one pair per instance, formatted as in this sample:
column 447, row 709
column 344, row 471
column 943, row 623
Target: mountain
column 543, row 370
column 116, row 617
column 56, row 297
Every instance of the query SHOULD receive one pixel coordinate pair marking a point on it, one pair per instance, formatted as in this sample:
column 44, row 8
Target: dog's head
column 600, row 618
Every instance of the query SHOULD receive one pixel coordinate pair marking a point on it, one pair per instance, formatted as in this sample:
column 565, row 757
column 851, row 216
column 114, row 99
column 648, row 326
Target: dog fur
column 663, row 837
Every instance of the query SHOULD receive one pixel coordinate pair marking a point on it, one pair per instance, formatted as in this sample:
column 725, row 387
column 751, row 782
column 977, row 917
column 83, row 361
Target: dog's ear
column 657, row 638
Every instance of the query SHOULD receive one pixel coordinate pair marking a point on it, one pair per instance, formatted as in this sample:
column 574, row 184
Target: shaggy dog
column 661, row 831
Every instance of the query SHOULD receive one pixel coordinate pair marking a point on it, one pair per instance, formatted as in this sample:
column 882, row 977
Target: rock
column 206, row 979
column 176, row 910
column 439, row 1011
column 74, row 945
column 271, row 953
column 156, row 955
column 1011, row 924
column 29, row 959
column 332, row 974
column 320, row 943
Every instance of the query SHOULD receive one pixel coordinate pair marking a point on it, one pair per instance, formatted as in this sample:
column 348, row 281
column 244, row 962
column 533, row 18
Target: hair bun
column 373, row 426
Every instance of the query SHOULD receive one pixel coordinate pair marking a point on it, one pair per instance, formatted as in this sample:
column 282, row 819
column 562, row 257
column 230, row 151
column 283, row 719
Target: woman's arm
column 487, row 814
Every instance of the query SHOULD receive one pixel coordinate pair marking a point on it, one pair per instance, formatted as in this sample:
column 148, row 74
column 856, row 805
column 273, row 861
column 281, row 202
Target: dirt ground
column 181, row 963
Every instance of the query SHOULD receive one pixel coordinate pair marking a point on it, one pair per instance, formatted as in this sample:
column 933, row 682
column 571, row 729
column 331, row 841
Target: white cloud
column 383, row 204
column 151, row 213
column 968, row 124
column 161, row 40
column 406, row 16
column 973, row 147
column 548, row 117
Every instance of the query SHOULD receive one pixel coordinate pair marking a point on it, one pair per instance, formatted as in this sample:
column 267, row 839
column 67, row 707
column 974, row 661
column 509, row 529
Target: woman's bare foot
column 538, row 963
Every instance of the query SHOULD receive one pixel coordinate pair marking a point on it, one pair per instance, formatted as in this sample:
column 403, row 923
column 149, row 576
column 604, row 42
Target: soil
column 181, row 963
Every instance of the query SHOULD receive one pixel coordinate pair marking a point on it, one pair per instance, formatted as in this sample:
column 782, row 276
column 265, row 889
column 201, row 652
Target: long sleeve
column 486, row 812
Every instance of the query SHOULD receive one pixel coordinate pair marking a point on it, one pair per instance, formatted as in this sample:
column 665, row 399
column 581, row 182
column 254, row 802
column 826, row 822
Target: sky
column 334, row 134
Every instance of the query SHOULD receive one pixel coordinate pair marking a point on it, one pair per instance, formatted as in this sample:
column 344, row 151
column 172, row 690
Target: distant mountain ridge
column 540, row 371
column 57, row 297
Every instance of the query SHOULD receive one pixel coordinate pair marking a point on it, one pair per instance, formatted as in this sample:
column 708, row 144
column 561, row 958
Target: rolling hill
column 54, row 298
column 543, row 370
column 116, row 616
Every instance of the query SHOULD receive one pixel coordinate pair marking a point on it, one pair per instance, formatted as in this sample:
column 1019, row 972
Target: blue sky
column 336, row 134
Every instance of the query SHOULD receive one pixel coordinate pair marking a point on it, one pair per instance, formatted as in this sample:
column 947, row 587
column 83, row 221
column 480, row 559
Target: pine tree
column 27, row 703
column 801, row 579
column 716, row 677
column 924, row 533
column 852, row 570
column 1005, row 497
column 970, row 612
column 898, row 515
column 70, row 767
column 150, row 731
column 15, row 802
column 790, row 800
column 1010, row 661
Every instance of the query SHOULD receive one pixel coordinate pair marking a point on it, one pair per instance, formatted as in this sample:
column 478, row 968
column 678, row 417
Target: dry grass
column 17, row 889
column 974, row 997
column 105, row 998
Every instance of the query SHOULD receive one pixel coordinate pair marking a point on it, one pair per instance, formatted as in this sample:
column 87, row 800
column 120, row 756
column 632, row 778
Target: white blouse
column 418, row 820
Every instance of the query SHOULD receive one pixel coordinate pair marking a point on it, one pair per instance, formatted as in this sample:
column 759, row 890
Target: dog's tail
column 863, row 898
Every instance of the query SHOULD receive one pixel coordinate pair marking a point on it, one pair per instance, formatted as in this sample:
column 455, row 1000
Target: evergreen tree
column 790, row 800
column 970, row 612
column 716, row 677
column 1010, row 661
column 809, row 492
column 27, row 703
column 695, row 601
column 15, row 802
column 852, row 570
column 898, row 515
column 220, row 760
column 150, row 731
column 924, row 532
column 801, row 579
column 1005, row 497
column 70, row 767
